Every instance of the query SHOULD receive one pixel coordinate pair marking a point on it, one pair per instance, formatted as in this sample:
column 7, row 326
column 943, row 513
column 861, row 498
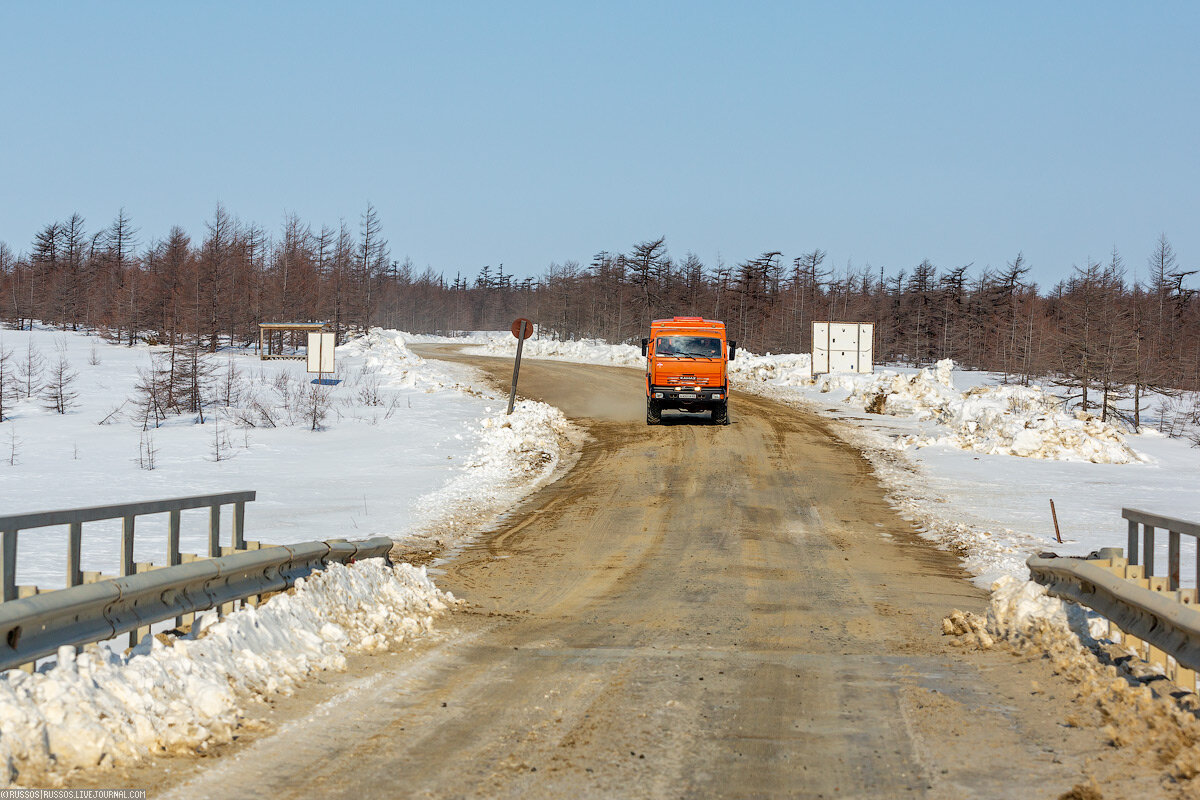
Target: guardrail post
column 1148, row 549
column 127, row 567
column 74, row 545
column 1173, row 560
column 239, row 526
column 214, row 531
column 1133, row 542
column 173, row 540
column 8, row 565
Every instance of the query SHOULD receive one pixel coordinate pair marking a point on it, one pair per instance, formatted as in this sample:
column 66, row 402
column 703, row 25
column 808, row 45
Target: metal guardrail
column 11, row 526
column 1150, row 616
column 37, row 626
column 1146, row 608
column 1148, row 522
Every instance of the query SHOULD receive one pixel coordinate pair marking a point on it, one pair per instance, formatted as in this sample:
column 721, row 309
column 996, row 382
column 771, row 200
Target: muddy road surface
column 693, row 611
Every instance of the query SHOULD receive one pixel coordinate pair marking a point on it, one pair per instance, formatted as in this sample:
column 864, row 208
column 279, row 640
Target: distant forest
column 1096, row 331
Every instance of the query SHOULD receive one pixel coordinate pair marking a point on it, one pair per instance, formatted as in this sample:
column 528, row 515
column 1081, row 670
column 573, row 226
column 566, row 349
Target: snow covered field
column 407, row 448
column 404, row 442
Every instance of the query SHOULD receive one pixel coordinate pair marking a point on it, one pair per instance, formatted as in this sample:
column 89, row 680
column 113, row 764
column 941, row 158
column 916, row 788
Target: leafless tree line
column 1104, row 336
column 212, row 291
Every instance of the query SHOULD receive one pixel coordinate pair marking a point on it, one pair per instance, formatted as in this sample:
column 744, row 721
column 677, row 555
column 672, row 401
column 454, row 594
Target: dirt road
column 694, row 611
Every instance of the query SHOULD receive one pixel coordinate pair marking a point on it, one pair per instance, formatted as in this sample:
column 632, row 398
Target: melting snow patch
column 97, row 710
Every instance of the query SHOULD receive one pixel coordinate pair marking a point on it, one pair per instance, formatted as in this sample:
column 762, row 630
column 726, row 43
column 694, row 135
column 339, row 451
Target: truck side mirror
column 732, row 349
column 645, row 344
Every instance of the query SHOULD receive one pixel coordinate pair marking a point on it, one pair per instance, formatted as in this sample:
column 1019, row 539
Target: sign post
column 522, row 329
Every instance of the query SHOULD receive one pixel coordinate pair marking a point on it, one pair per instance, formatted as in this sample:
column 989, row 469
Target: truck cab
column 686, row 367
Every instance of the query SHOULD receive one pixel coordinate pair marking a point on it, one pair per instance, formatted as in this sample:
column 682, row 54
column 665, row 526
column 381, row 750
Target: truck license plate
column 687, row 396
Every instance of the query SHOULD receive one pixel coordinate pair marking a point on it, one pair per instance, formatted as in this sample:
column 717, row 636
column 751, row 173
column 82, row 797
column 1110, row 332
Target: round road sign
column 516, row 328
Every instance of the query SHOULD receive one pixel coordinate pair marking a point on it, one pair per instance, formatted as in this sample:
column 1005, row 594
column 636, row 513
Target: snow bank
column 1025, row 421
column 1139, row 710
column 516, row 455
column 585, row 351
column 782, row 370
column 385, row 353
column 97, row 710
column 1022, row 614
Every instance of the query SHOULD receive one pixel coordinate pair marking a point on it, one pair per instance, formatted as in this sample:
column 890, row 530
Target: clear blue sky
column 519, row 133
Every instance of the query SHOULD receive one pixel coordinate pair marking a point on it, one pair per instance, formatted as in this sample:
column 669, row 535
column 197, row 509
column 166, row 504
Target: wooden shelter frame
column 271, row 338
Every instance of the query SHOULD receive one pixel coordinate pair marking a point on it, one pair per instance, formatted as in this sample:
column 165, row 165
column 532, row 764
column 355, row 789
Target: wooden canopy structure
column 276, row 337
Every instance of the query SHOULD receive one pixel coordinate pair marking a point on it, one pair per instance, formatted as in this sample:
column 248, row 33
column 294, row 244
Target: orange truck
column 686, row 360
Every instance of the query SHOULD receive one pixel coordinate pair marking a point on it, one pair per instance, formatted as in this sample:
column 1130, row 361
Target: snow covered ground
column 405, row 440
column 410, row 449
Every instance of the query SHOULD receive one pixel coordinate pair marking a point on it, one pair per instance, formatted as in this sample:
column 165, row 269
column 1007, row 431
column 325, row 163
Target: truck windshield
column 688, row 346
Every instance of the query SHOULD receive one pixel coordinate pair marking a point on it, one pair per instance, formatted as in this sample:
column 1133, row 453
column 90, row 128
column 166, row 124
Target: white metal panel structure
column 843, row 347
column 320, row 352
column 820, row 348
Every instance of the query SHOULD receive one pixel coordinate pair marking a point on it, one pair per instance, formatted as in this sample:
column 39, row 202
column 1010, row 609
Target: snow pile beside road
column 1021, row 613
column 1031, row 423
column 1139, row 711
column 1017, row 607
column 927, row 394
column 97, row 710
column 584, row 351
column 516, row 455
column 1025, row 421
column 783, row 370
column 384, row 352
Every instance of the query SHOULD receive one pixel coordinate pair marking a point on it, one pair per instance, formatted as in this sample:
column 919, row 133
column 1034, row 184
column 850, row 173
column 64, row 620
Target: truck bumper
column 680, row 397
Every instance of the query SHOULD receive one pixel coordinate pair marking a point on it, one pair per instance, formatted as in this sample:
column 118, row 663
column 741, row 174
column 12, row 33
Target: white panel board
column 820, row 357
column 866, row 347
column 843, row 347
column 320, row 352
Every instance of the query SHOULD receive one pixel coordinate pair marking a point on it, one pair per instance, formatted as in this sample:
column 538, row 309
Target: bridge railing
column 1145, row 524
column 1158, row 620
column 36, row 626
column 95, row 607
column 12, row 525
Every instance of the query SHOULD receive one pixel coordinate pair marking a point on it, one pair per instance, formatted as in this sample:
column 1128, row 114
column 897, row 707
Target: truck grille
column 687, row 380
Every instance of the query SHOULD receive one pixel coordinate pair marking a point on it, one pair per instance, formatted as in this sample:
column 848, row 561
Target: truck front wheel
column 720, row 413
column 653, row 413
